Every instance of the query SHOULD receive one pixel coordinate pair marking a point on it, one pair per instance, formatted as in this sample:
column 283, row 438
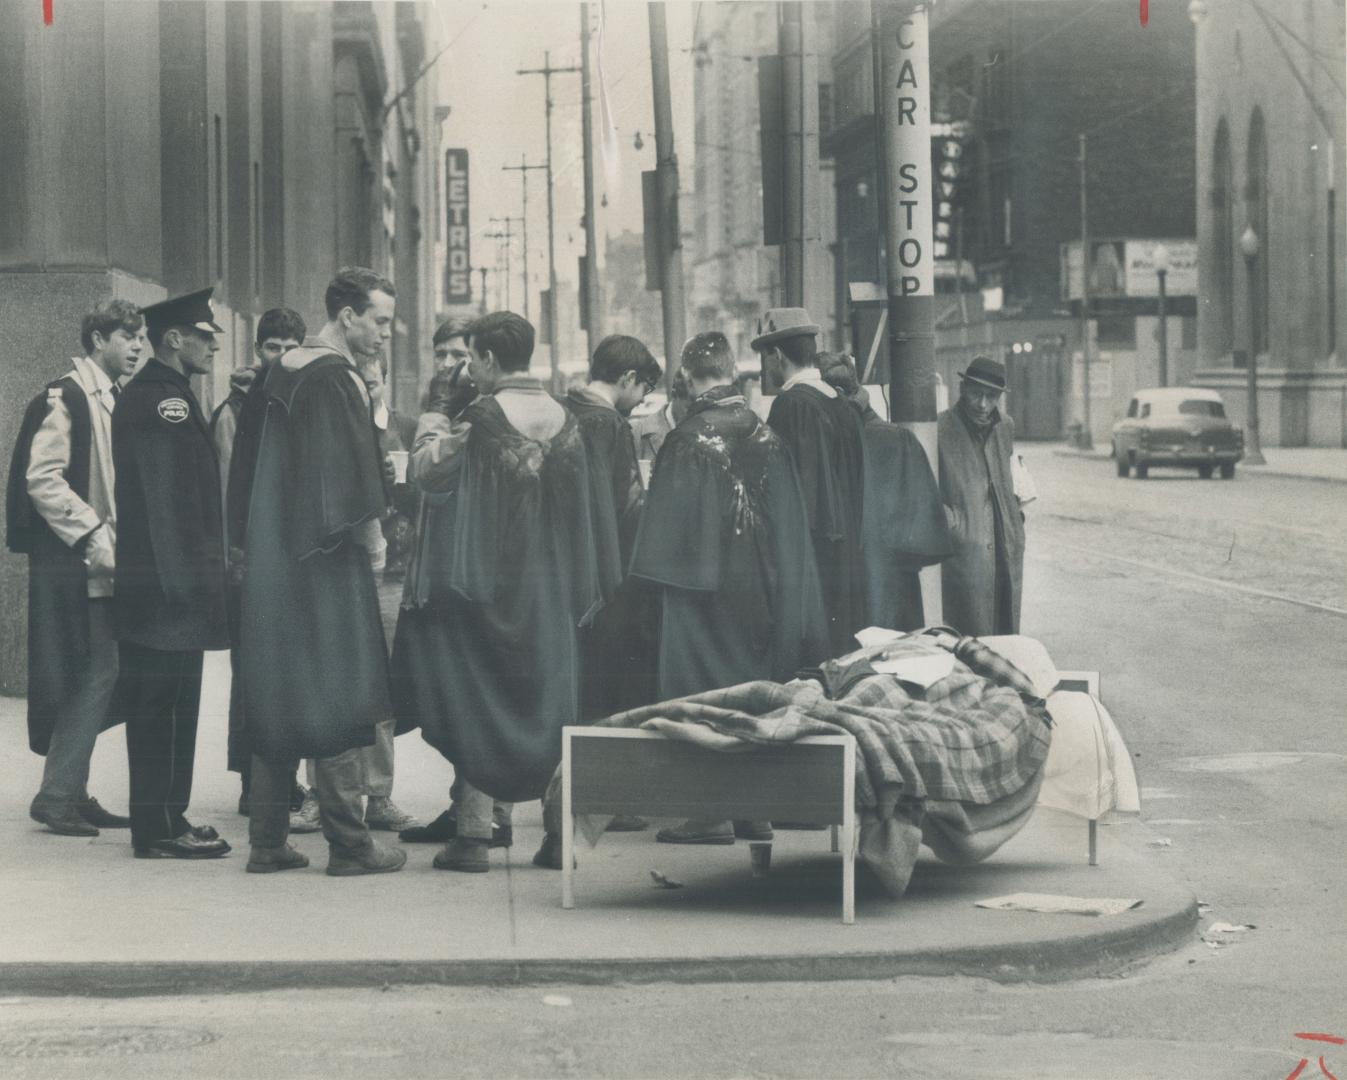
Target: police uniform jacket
column 170, row 583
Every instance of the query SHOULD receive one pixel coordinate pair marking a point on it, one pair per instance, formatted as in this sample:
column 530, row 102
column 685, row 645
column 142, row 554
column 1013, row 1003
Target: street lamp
column 1160, row 256
column 1248, row 246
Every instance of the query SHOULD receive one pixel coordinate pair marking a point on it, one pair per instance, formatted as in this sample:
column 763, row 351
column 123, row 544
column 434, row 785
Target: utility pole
column 523, row 169
column 547, row 71
column 911, row 244
column 666, row 168
column 791, row 47
column 881, row 166
column 505, row 236
column 593, row 309
column 1086, row 437
column 482, row 301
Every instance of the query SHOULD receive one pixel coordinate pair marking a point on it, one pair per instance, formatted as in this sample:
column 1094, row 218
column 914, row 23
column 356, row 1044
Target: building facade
column 1014, row 85
column 152, row 148
column 733, row 277
column 1270, row 162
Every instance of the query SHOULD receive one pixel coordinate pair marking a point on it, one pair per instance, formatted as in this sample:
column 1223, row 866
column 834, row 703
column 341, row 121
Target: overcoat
column 58, row 586
column 170, row 578
column 978, row 494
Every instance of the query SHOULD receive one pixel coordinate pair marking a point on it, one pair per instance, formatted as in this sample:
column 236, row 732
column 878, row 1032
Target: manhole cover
column 99, row 1041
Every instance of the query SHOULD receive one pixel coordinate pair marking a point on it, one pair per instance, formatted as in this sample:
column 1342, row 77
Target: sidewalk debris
column 1060, row 905
column 1162, row 841
column 1220, row 934
column 664, row 882
column 560, row 1001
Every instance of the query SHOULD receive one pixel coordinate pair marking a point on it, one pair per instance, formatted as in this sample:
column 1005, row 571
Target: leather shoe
column 62, row 819
column 203, row 832
column 375, row 859
column 760, row 831
column 548, row 856
column 440, row 831
column 265, row 860
column 186, row 846
column 90, row 810
column 627, row 823
column 697, row 832
column 463, row 854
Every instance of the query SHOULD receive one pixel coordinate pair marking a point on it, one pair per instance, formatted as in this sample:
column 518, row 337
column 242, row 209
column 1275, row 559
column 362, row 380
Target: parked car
column 1177, row 426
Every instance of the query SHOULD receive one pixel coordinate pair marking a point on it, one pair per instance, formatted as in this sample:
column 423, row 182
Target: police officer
column 170, row 577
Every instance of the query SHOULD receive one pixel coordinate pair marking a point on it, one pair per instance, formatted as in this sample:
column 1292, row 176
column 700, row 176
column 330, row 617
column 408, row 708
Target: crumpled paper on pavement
column 1060, row 905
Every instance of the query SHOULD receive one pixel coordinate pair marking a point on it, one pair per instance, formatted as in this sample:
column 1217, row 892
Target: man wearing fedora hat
column 981, row 580
column 825, row 436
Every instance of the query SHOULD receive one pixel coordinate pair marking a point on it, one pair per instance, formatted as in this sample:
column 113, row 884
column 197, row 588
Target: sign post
column 909, row 241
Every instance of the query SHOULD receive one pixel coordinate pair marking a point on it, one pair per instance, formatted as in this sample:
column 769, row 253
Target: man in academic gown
column 169, row 589
column 617, row 662
column 824, row 435
column 981, row 580
column 306, row 492
column 63, row 516
column 493, row 674
column 905, row 525
column 725, row 539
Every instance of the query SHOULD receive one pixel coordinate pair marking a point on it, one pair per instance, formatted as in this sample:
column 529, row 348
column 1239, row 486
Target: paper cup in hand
column 399, row 459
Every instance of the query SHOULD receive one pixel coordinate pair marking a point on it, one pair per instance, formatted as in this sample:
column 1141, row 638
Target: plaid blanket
column 976, row 738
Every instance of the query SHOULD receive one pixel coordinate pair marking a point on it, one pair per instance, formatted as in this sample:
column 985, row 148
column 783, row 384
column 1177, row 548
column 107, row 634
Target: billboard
column 458, row 269
column 1127, row 268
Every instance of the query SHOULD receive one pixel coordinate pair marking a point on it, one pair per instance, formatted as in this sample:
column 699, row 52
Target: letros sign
column 458, row 271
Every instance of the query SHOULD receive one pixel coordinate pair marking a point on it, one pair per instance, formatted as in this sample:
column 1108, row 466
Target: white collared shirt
column 810, row 377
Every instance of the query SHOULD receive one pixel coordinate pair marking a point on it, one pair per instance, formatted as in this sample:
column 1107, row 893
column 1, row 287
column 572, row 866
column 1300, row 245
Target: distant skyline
column 498, row 116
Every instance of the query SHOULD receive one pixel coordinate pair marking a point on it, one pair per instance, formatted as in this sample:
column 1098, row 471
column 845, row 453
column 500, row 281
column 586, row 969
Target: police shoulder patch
column 174, row 410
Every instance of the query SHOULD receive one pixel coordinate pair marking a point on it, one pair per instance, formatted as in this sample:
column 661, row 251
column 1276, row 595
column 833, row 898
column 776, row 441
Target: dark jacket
column 58, row 584
column 170, row 583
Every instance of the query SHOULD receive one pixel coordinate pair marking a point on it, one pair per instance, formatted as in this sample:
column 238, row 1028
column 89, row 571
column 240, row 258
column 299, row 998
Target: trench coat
column 977, row 491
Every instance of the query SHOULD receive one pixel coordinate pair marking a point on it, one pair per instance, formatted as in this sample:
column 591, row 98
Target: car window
column 1202, row 408
column 1145, row 410
column 1132, row 408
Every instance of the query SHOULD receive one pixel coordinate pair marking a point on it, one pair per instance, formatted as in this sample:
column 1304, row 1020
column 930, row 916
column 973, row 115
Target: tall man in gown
column 825, row 436
column 725, row 539
column 490, row 673
column 306, row 493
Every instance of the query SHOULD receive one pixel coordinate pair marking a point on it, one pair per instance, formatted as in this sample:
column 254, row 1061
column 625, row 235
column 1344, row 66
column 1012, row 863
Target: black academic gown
column 306, row 473
column 905, row 526
column 725, row 538
column 826, row 441
column 617, row 652
column 490, row 669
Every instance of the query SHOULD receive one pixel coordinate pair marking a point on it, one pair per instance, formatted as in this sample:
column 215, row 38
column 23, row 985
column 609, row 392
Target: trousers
column 340, row 807
column 65, row 775
column 162, row 696
column 378, row 762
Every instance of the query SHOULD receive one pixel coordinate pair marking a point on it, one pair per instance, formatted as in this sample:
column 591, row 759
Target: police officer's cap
column 192, row 310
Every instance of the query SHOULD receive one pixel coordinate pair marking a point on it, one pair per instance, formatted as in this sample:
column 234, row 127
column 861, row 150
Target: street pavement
column 1210, row 609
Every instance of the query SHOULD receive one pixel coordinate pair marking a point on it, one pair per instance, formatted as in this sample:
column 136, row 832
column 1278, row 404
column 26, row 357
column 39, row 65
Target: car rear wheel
column 1228, row 471
column 1120, row 460
column 1204, row 471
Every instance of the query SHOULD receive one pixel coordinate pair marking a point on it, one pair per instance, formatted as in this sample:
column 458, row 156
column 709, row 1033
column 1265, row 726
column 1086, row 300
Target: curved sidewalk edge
column 1047, row 960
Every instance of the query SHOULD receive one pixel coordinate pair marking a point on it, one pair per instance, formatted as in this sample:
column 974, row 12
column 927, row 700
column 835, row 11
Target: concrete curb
column 1044, row 960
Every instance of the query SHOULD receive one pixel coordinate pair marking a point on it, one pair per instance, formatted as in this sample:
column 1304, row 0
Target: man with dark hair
column 723, row 537
column 650, row 430
column 306, row 492
column 616, row 664
column 450, row 343
column 278, row 331
column 62, row 515
column 169, row 599
column 489, row 669
column 980, row 582
column 904, row 527
column 824, row 434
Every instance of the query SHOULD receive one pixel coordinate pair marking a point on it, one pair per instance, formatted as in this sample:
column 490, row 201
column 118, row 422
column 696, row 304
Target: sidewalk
column 84, row 917
column 1300, row 462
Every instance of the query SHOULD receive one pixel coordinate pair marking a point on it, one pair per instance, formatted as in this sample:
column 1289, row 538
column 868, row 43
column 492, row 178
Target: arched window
column 1223, row 241
column 1255, row 197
